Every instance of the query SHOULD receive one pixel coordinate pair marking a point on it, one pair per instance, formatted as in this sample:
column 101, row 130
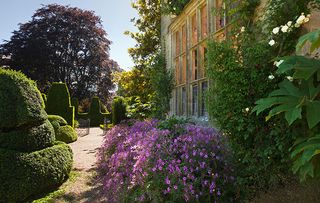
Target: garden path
column 84, row 188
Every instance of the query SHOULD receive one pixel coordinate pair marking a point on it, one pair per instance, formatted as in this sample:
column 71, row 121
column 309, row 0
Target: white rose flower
column 289, row 23
column 306, row 20
column 301, row 18
column 290, row 78
column 309, row 16
column 272, row 42
column 275, row 30
column 247, row 109
column 271, row 77
column 278, row 63
column 243, row 29
column 297, row 25
column 284, row 28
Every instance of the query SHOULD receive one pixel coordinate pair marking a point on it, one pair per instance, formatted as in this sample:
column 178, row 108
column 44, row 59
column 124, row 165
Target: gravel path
column 85, row 148
column 85, row 189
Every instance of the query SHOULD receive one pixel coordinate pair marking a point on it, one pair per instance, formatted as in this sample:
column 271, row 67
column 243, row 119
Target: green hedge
column 28, row 139
column 95, row 115
column 26, row 174
column 29, row 161
column 66, row 134
column 75, row 103
column 44, row 97
column 118, row 110
column 20, row 100
column 58, row 102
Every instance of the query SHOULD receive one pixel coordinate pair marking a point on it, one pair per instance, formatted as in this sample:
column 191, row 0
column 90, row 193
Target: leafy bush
column 75, row 103
column 44, row 97
column 17, row 94
column 295, row 97
column 38, row 171
column 118, row 110
column 66, row 134
column 145, row 164
column 27, row 148
column 138, row 110
column 58, row 102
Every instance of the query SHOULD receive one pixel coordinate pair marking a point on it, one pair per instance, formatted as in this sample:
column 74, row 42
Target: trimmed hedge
column 58, row 102
column 20, row 101
column 75, row 103
column 30, row 161
column 95, row 115
column 44, row 98
column 24, row 174
column 28, row 139
column 118, row 110
column 66, row 134
column 55, row 118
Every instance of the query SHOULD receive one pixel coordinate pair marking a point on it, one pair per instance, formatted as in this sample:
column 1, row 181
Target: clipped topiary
column 30, row 161
column 75, row 103
column 95, row 114
column 44, row 97
column 58, row 102
column 63, row 131
column 118, row 110
column 66, row 134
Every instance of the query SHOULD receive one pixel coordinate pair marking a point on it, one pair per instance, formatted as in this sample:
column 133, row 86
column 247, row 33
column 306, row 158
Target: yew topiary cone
column 31, row 161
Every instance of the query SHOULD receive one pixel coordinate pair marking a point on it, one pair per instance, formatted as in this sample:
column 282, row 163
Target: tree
column 148, row 36
column 66, row 44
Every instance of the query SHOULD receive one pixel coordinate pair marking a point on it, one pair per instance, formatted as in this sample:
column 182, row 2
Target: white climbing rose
column 243, row 29
column 247, row 109
column 290, row 78
column 275, row 30
column 284, row 28
column 301, row 18
column 271, row 77
column 289, row 23
column 278, row 63
column 272, row 42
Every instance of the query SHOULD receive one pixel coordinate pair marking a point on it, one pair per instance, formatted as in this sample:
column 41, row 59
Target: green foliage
column 75, row 103
column 174, row 6
column 59, row 102
column 38, row 171
column 261, row 155
column 20, row 100
column 66, row 134
column 299, row 99
column 170, row 123
column 162, row 83
column 28, row 139
column 118, row 110
column 44, row 97
column 138, row 110
column 55, row 118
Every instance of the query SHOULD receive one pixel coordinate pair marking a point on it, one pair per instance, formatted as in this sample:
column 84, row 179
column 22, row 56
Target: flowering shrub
column 141, row 163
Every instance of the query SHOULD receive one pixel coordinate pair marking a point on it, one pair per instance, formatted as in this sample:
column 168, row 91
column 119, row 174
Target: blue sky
column 115, row 14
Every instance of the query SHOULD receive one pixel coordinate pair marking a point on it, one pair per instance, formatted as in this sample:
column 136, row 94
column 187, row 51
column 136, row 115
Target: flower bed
column 141, row 163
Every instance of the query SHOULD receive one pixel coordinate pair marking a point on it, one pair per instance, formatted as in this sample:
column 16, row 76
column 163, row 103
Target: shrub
column 118, row 110
column 58, row 102
column 38, row 171
column 153, row 166
column 17, row 94
column 63, row 131
column 66, row 134
column 27, row 148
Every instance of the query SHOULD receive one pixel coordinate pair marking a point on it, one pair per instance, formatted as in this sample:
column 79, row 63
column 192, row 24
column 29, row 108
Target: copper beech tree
column 62, row 43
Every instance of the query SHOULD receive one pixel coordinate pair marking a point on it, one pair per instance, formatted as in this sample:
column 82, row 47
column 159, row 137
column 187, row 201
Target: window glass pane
column 194, row 29
column 204, row 22
column 195, row 100
column 184, row 100
column 204, row 87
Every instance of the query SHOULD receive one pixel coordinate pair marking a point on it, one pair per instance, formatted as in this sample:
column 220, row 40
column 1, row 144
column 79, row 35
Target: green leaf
column 293, row 114
column 312, row 37
column 313, row 113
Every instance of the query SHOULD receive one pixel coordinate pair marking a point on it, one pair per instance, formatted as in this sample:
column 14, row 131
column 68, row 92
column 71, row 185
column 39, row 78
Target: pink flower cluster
column 142, row 163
